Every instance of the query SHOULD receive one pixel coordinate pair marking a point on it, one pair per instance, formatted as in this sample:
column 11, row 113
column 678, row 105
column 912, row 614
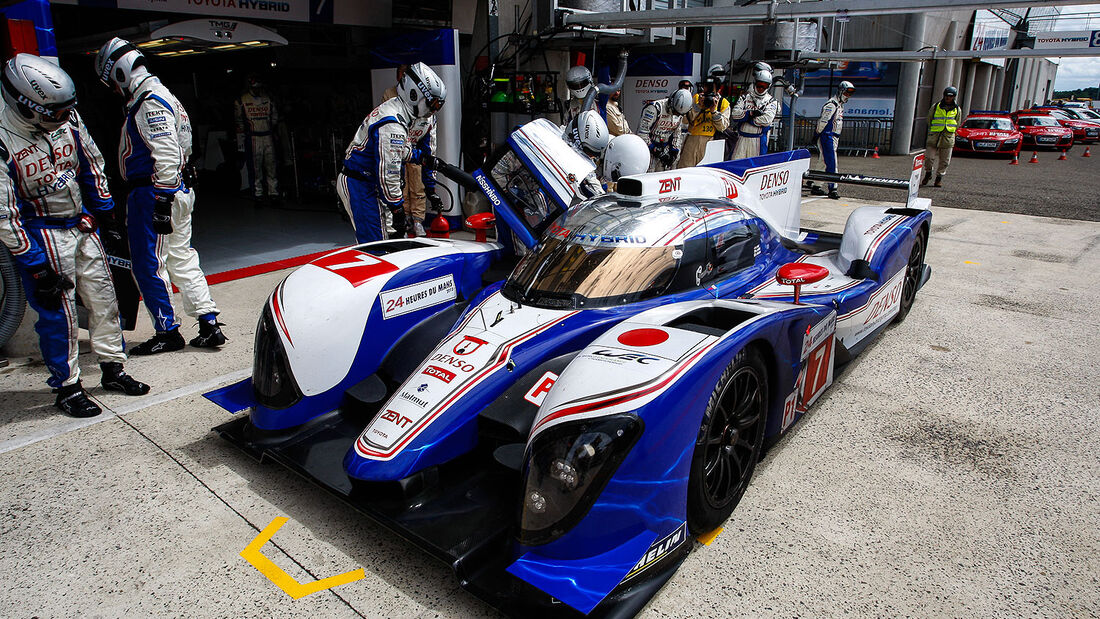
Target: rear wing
column 912, row 185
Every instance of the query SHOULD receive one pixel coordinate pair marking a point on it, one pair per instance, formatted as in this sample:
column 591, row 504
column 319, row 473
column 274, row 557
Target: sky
column 1074, row 73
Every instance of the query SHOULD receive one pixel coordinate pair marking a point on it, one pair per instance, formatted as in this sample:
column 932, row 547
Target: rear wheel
column 913, row 271
column 729, row 442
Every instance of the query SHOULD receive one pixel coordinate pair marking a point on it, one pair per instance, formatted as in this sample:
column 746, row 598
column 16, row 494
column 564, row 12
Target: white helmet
column 588, row 133
column 680, row 102
column 421, row 90
column 761, row 76
column 41, row 93
column 626, row 155
column 117, row 62
column 845, row 91
column 578, row 80
column 716, row 70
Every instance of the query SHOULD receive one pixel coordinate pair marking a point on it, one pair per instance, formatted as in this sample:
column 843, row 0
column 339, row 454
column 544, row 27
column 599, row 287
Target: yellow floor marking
column 1004, row 222
column 707, row 538
column 969, row 262
column 284, row 581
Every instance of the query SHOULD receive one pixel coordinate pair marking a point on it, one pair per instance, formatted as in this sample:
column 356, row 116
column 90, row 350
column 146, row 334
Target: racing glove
column 87, row 223
column 162, row 213
column 400, row 225
column 49, row 287
column 435, row 201
column 416, row 155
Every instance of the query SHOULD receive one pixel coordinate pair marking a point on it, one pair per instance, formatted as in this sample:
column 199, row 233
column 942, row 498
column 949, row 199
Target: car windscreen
column 522, row 189
column 603, row 253
column 988, row 123
column 1037, row 121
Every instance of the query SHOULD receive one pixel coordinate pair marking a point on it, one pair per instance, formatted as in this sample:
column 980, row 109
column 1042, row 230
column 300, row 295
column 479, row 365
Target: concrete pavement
column 953, row 470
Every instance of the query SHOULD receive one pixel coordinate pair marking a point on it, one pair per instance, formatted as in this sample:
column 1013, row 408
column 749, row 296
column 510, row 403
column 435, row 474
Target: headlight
column 272, row 382
column 567, row 468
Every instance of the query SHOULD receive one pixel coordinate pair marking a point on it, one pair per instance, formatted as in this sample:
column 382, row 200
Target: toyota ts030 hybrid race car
column 557, row 414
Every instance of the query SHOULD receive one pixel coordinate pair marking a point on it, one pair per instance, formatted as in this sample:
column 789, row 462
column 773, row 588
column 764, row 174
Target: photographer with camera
column 709, row 114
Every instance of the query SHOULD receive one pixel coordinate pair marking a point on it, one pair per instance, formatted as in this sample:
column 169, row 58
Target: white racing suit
column 373, row 175
column 256, row 118
column 752, row 133
column 829, row 126
column 51, row 179
column 664, row 133
column 156, row 146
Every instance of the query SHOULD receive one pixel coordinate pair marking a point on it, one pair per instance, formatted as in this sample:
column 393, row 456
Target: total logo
column 440, row 373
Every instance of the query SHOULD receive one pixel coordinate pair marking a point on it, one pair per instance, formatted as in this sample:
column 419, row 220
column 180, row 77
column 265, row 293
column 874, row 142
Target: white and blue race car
column 558, row 413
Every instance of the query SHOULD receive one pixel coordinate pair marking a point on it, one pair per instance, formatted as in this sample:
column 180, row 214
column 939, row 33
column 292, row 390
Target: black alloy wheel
column 730, row 440
column 913, row 271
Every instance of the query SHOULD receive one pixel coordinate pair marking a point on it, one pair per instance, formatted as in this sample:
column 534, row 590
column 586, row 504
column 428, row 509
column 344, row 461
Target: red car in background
column 1042, row 131
column 988, row 132
column 1083, row 130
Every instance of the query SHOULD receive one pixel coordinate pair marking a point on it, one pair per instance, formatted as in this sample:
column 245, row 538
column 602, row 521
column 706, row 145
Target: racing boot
column 210, row 334
column 418, row 228
column 939, row 180
column 74, row 402
column 163, row 341
column 816, row 191
column 114, row 379
column 833, row 194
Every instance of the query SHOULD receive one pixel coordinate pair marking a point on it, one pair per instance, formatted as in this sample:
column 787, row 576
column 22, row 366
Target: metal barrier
column 859, row 137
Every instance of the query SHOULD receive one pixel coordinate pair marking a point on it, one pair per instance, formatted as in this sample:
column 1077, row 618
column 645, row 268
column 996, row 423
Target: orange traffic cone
column 1063, row 157
column 1015, row 159
column 1086, row 152
column 1034, row 157
column 875, row 154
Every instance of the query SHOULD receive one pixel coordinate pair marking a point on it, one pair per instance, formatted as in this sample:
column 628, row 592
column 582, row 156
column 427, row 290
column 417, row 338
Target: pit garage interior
column 318, row 76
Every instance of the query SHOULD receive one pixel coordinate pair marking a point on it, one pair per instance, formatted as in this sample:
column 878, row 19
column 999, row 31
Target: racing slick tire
column 13, row 302
column 730, row 440
column 913, row 271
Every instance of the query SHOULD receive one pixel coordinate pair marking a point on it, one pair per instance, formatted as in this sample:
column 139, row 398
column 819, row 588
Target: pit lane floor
column 953, row 470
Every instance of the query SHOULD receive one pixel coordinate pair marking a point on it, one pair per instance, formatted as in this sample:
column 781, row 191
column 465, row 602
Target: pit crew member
column 154, row 160
column 256, row 118
column 588, row 135
column 54, row 177
column 829, row 126
column 661, row 127
column 399, row 131
column 754, row 113
column 578, row 80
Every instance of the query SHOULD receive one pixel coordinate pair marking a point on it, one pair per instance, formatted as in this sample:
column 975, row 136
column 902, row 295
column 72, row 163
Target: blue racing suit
column 373, row 175
column 156, row 145
column 829, row 125
column 52, row 180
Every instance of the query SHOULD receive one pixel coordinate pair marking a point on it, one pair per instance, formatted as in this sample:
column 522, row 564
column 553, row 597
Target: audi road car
column 988, row 132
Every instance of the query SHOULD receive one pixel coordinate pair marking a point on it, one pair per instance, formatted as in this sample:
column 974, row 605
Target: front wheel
column 913, row 271
column 730, row 440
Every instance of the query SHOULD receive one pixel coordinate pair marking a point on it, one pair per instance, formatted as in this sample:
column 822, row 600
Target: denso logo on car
column 774, row 179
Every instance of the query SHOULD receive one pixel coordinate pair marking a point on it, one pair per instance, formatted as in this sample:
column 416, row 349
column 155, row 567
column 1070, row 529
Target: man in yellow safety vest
column 943, row 119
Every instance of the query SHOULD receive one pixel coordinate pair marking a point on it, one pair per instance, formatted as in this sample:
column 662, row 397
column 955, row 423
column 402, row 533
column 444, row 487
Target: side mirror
column 798, row 273
column 481, row 223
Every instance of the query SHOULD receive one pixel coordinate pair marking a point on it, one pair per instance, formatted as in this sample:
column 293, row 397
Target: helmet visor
column 849, row 92
column 577, row 84
column 762, row 86
column 59, row 114
column 435, row 104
